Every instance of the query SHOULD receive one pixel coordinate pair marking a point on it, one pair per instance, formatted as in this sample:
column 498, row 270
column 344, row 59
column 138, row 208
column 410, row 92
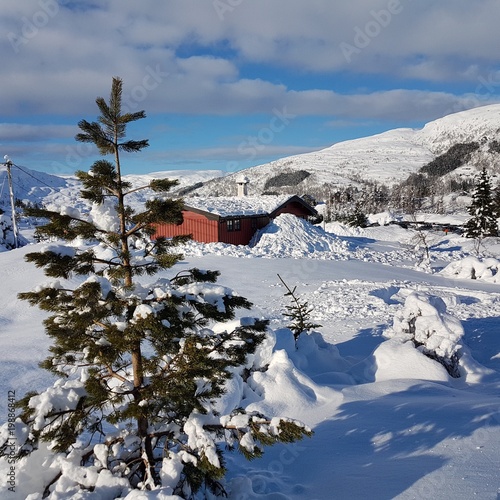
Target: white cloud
column 200, row 56
column 229, row 154
column 286, row 32
column 21, row 132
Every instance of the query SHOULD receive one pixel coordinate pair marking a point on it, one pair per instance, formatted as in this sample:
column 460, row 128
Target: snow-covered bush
column 474, row 268
column 425, row 322
column 7, row 240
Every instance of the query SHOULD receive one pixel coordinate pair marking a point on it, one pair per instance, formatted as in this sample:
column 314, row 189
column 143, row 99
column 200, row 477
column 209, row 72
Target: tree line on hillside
column 422, row 190
column 351, row 204
column 419, row 191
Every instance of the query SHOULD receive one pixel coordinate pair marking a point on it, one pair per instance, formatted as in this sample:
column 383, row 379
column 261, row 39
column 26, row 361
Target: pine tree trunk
column 123, row 227
column 136, row 353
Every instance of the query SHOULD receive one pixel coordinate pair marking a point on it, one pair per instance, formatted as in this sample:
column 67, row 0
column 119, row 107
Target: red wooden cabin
column 233, row 219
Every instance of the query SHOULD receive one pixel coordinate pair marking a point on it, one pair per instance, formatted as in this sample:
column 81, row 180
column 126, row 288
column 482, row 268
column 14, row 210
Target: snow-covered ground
column 389, row 422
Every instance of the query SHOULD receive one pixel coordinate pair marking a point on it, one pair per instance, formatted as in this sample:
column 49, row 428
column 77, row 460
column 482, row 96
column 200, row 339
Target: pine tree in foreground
column 140, row 372
column 483, row 220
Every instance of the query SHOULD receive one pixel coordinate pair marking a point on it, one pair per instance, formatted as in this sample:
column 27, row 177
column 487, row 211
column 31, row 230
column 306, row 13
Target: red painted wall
column 244, row 235
column 293, row 208
column 202, row 229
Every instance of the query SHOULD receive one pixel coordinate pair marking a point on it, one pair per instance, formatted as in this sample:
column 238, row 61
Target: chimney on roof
column 242, row 181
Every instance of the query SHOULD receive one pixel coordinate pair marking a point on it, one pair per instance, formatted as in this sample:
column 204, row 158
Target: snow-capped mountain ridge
column 479, row 124
column 387, row 158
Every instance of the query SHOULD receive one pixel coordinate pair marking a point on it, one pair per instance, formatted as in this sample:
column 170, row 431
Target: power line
column 9, row 164
column 31, row 175
column 57, row 189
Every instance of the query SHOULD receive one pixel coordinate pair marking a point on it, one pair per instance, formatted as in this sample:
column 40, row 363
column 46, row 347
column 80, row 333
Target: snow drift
column 290, row 236
column 287, row 236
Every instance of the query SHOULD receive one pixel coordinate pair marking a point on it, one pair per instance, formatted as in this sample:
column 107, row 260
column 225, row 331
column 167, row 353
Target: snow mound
column 382, row 218
column 396, row 360
column 424, row 326
column 424, row 343
column 390, row 232
column 474, row 268
column 287, row 236
column 282, row 377
column 290, row 236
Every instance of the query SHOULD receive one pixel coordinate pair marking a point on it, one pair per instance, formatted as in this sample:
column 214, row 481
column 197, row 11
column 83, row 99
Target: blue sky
column 228, row 84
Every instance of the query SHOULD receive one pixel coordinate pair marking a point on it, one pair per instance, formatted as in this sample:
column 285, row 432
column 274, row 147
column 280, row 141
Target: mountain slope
column 479, row 124
column 28, row 184
column 39, row 187
column 386, row 158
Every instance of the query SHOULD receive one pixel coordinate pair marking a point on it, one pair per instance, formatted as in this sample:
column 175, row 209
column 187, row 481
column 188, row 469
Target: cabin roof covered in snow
column 230, row 206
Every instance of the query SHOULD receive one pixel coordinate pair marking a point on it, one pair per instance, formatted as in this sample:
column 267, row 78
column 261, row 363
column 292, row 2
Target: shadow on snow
column 482, row 336
column 381, row 457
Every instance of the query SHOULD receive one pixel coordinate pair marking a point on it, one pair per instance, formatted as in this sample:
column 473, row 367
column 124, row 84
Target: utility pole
column 8, row 164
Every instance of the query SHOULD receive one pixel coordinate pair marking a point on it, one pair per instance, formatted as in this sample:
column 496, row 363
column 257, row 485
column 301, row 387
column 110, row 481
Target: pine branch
column 133, row 146
column 113, row 374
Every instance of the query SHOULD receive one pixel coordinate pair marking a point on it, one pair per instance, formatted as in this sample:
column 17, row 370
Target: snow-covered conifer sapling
column 298, row 311
column 483, row 216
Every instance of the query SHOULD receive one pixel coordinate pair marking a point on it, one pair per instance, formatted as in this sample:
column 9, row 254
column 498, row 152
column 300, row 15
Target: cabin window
column 233, row 224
